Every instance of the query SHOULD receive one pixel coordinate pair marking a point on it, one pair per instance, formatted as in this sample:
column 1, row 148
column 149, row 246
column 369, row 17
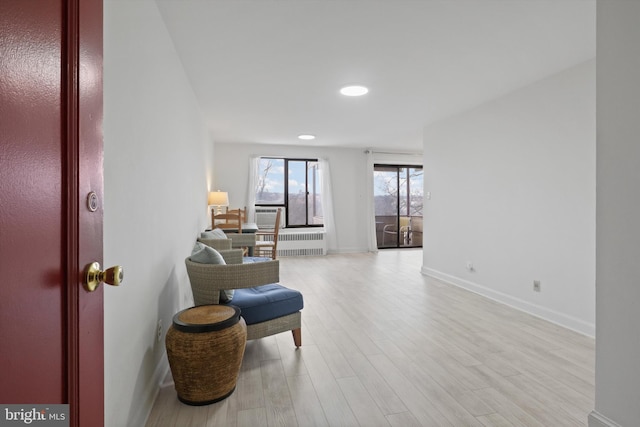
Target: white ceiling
column 265, row 71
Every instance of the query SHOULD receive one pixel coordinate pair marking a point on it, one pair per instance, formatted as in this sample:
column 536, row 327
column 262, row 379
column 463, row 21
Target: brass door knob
column 94, row 276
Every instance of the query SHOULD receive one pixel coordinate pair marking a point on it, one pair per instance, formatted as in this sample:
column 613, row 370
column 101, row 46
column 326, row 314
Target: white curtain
column 254, row 174
column 372, row 240
column 327, row 205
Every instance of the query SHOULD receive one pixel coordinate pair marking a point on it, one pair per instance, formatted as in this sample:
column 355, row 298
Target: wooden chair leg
column 297, row 336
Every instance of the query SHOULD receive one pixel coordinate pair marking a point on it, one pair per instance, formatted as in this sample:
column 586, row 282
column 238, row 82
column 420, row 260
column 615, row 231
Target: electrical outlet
column 470, row 266
column 536, row 285
column 159, row 331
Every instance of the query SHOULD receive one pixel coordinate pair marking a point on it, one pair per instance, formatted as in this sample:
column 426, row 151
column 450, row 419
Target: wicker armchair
column 207, row 280
column 233, row 241
column 246, row 240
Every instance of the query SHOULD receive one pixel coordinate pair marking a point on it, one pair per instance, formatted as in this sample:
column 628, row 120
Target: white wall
column 513, row 192
column 348, row 176
column 618, row 210
column 156, row 176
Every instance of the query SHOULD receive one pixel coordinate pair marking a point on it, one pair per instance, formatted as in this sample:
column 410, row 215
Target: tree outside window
column 388, row 180
column 270, row 189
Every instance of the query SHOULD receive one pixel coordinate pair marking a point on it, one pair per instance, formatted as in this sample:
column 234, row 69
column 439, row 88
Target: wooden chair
column 267, row 241
column 227, row 221
column 256, row 278
column 231, row 221
column 242, row 212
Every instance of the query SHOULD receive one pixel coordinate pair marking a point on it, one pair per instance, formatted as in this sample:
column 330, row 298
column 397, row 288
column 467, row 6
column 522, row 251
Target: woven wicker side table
column 205, row 346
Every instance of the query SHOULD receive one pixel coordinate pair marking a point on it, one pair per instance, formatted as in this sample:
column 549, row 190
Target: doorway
column 398, row 194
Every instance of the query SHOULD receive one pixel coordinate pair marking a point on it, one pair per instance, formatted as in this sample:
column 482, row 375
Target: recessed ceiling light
column 354, row 90
column 306, row 137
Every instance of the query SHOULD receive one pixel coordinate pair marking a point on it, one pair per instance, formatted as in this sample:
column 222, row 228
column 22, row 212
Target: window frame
column 395, row 168
column 285, row 205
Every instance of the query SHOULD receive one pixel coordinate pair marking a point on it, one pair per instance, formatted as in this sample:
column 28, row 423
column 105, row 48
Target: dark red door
column 51, row 329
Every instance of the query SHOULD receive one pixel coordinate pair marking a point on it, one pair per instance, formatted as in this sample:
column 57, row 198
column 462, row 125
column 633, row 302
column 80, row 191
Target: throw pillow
column 216, row 233
column 207, row 255
column 204, row 254
column 197, row 247
column 219, row 234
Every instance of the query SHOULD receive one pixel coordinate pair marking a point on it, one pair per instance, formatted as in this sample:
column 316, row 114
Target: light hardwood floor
column 383, row 345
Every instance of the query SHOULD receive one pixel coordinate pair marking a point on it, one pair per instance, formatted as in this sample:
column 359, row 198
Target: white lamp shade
column 218, row 198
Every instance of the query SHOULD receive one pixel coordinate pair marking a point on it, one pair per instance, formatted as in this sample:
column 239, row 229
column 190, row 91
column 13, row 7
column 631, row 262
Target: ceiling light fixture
column 306, row 137
column 354, row 90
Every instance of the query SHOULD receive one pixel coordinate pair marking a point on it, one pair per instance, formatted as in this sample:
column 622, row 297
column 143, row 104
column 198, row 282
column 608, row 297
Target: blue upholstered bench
column 266, row 302
column 252, row 259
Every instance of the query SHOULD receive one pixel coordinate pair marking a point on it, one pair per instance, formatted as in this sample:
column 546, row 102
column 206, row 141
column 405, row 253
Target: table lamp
column 218, row 199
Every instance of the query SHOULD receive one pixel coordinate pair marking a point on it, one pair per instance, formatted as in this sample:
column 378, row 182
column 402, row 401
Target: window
column 293, row 184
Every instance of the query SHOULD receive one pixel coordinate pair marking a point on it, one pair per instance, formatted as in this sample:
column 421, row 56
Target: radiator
column 301, row 242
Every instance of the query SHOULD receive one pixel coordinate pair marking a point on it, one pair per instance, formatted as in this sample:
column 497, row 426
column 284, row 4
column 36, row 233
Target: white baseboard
column 553, row 316
column 156, row 382
column 598, row 420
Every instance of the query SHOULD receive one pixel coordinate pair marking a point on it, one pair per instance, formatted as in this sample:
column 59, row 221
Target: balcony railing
column 409, row 234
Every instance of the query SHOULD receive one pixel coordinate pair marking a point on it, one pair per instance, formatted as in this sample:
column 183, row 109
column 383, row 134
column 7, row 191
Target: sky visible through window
column 297, row 174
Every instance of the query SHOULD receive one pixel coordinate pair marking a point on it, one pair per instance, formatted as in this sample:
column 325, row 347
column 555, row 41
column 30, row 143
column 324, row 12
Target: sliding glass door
column 398, row 205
